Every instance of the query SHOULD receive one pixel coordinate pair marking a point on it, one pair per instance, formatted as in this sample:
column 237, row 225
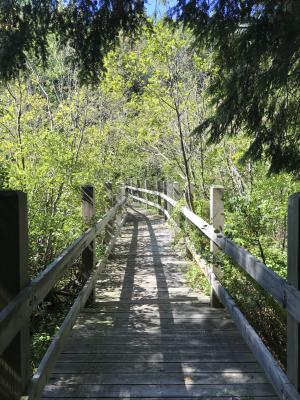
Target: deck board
column 149, row 336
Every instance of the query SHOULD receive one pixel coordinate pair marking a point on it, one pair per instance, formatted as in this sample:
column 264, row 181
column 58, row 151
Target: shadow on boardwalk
column 149, row 336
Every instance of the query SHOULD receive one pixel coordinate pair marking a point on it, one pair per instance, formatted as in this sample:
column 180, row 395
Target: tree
column 256, row 47
column 89, row 27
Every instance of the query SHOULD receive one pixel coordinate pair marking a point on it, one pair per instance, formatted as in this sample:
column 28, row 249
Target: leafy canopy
column 255, row 46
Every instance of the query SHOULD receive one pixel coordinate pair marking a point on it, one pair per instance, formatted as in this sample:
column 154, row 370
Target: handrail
column 13, row 316
column 287, row 295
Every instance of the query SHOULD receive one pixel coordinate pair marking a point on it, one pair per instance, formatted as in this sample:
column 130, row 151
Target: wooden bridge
column 145, row 334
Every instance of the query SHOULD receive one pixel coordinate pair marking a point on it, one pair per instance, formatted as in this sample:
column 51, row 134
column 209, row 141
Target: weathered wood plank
column 140, row 391
column 124, row 397
column 155, row 367
column 173, row 378
column 213, row 356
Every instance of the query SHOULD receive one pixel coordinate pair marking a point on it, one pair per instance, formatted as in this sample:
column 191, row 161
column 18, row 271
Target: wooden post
column 88, row 213
column 15, row 370
column 146, row 194
column 165, row 191
column 159, row 189
column 175, row 194
column 138, row 185
column 108, row 187
column 293, row 331
column 170, row 193
column 217, row 220
column 123, row 192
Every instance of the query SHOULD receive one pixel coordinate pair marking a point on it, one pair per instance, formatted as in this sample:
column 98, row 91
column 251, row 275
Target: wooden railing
column 286, row 293
column 19, row 296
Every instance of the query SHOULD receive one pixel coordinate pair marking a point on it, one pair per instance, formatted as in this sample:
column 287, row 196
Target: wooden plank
column 173, row 378
column 110, row 327
column 147, row 346
column 181, row 398
column 155, row 320
column 155, row 367
column 175, row 391
column 93, row 348
column 19, row 310
column 149, row 341
column 212, row 356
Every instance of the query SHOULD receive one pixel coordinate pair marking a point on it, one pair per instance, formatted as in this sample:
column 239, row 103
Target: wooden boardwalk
column 149, row 336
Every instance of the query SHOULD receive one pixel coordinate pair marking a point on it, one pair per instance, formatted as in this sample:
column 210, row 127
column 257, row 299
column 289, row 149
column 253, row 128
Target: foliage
column 255, row 47
column 89, row 27
column 197, row 280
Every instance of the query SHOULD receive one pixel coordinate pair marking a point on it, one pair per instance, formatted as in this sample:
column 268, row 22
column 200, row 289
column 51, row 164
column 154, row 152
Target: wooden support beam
column 159, row 188
column 15, row 370
column 217, row 221
column 88, row 213
column 146, row 195
column 165, row 191
column 170, row 193
column 108, row 187
column 138, row 185
column 293, row 326
column 175, row 193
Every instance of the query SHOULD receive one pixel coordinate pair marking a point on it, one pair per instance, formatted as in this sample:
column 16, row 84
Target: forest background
column 138, row 122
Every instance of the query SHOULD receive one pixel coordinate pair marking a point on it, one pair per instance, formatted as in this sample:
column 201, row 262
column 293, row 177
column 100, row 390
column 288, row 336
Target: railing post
column 217, row 220
column 170, row 193
column 15, row 370
column 293, row 331
column 159, row 189
column 175, row 193
column 165, row 191
column 88, row 257
column 138, row 185
column 146, row 194
column 108, row 187
column 123, row 192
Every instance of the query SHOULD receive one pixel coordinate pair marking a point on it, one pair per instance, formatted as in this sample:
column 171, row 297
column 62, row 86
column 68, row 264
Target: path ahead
column 149, row 336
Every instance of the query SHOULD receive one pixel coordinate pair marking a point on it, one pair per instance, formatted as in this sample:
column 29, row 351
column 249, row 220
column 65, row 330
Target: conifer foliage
column 256, row 45
column 90, row 27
